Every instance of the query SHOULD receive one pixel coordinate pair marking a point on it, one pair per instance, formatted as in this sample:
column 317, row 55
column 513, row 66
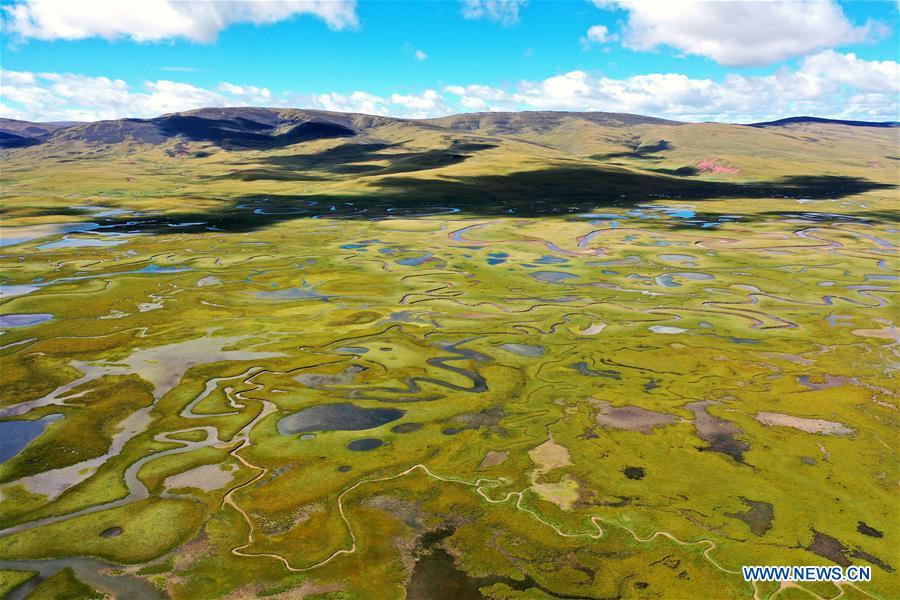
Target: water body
column 89, row 570
column 600, row 216
column 11, row 291
column 666, row 329
column 668, row 279
column 407, row 394
column 15, row 435
column 24, row 319
column 684, row 259
column 365, row 444
column 548, row 259
column 528, row 350
column 304, row 292
column 552, row 276
column 161, row 366
column 582, row 367
column 337, row 417
column 351, row 350
column 406, row 428
column 11, row 236
column 414, row 261
column 136, row 489
column 209, row 280
column 635, row 473
column 435, row 576
column 78, row 242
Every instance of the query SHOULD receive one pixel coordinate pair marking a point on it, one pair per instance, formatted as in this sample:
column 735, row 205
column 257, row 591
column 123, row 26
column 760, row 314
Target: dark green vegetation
column 260, row 353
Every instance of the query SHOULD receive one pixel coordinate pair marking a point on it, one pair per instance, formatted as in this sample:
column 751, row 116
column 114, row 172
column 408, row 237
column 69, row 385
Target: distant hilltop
column 266, row 128
column 798, row 120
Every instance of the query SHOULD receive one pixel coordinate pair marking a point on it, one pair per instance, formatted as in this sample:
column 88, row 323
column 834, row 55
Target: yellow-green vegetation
column 64, row 585
column 9, row 580
column 546, row 356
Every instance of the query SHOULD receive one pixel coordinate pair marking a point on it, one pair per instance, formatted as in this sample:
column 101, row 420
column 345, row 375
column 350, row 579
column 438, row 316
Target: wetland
column 391, row 374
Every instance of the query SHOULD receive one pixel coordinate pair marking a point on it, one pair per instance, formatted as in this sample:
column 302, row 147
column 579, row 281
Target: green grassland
column 613, row 370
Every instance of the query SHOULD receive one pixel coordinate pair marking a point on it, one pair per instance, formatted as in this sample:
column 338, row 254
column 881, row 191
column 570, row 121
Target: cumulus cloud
column 597, row 34
column 247, row 94
column 155, row 20
column 419, row 106
column 360, row 102
column 826, row 84
column 420, row 55
column 505, row 12
column 71, row 97
column 865, row 75
column 739, row 34
column 429, row 103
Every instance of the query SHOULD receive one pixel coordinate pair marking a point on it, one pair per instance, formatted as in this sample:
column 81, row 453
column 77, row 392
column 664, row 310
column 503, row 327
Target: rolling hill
column 482, row 163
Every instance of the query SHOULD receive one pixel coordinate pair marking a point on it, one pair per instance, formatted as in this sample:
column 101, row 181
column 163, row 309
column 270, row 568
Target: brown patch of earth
column 719, row 433
column 819, row 426
column 631, row 418
column 493, row 458
column 885, row 333
column 831, row 548
column 868, row 530
column 758, row 516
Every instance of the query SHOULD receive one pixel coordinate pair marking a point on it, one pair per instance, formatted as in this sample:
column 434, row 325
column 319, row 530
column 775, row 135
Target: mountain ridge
column 260, row 127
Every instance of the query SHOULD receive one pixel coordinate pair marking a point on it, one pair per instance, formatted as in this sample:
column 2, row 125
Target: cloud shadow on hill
column 551, row 192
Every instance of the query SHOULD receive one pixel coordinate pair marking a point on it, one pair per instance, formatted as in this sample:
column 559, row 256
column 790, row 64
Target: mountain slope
column 799, row 120
column 575, row 158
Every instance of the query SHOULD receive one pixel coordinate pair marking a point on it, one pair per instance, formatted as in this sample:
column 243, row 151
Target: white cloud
column 427, row 104
column 505, row 12
column 865, row 75
column 827, row 84
column 598, row 34
column 248, row 94
column 418, row 106
column 739, row 33
column 70, row 97
column 155, row 20
column 360, row 102
column 420, row 55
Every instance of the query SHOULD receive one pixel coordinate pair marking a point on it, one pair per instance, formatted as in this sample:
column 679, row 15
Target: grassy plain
column 581, row 334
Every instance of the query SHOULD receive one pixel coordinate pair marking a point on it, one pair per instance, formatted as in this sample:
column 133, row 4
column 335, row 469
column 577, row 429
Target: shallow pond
column 15, row 435
column 11, row 291
column 305, row 292
column 23, row 319
column 10, row 236
column 79, row 242
column 684, row 259
column 414, row 261
column 524, row 349
column 337, row 417
column 552, row 276
column 406, row 428
column 365, row 444
column 668, row 279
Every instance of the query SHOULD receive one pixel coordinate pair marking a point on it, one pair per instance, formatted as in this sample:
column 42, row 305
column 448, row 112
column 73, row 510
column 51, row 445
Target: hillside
column 529, row 161
column 271, row 353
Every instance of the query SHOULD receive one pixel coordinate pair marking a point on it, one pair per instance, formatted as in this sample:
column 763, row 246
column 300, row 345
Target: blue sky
column 706, row 61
